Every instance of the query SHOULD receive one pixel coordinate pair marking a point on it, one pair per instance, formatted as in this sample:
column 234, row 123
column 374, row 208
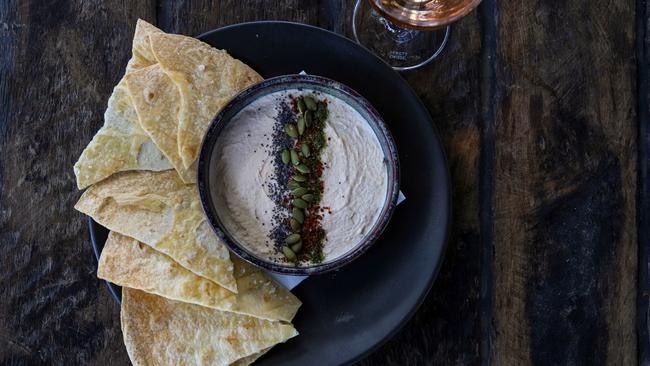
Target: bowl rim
column 209, row 142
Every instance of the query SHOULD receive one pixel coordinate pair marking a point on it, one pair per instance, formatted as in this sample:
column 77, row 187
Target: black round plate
column 346, row 314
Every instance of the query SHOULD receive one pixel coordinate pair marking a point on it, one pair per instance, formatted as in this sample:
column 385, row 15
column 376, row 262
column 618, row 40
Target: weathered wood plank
column 488, row 14
column 59, row 63
column 565, row 215
column 643, row 108
column 196, row 17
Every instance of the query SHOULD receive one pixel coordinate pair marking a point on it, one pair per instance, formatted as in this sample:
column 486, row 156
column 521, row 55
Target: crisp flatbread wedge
column 158, row 209
column 260, row 296
column 206, row 77
column 157, row 102
column 129, row 263
column 159, row 331
column 250, row 359
column 141, row 47
column 119, row 145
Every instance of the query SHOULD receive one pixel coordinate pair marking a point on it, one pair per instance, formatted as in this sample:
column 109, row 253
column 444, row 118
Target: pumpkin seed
column 321, row 112
column 292, row 239
column 286, row 156
column 301, row 105
column 299, row 178
column 310, row 103
column 308, row 197
column 300, row 191
column 298, row 215
column 290, row 129
column 303, row 168
column 299, row 203
column 293, row 184
column 295, row 225
column 297, row 247
column 308, row 118
column 301, row 125
column 289, row 253
column 305, row 150
column 294, row 157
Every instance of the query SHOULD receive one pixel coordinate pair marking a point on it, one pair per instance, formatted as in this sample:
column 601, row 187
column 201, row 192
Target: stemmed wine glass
column 407, row 34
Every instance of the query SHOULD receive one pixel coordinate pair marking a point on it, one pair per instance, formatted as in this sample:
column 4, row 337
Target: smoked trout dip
column 250, row 186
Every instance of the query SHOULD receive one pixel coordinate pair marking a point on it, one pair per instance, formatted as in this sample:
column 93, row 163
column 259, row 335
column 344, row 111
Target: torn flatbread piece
column 157, row 102
column 120, row 144
column 159, row 210
column 207, row 79
column 141, row 47
column 129, row 263
column 159, row 331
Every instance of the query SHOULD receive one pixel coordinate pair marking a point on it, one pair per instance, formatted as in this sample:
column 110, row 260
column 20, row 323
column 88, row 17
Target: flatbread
column 141, row 48
column 129, row 263
column 159, row 210
column 158, row 331
column 250, row 359
column 206, row 77
column 120, row 144
column 157, row 102
column 260, row 296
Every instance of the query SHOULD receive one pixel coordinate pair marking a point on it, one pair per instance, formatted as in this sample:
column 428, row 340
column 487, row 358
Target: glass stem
column 399, row 34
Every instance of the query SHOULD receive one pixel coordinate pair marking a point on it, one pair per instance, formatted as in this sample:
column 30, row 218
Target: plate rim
column 447, row 181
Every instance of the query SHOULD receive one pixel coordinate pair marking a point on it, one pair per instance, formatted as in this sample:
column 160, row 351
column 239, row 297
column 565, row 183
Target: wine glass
column 407, row 34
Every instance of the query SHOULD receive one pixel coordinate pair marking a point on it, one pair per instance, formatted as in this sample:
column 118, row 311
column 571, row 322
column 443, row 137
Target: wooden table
column 543, row 109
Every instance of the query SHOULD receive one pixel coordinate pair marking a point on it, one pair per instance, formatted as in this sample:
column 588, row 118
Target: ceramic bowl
column 208, row 157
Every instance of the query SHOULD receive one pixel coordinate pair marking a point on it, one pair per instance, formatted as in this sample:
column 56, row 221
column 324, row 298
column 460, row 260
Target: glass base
column 402, row 48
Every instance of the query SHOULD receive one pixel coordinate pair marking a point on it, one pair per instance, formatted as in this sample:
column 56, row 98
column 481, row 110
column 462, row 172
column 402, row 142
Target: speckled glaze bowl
column 208, row 157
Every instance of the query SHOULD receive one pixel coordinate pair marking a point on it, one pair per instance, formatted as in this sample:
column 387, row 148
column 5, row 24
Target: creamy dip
column 354, row 176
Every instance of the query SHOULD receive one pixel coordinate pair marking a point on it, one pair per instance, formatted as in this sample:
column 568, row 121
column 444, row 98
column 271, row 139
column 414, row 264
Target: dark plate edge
column 93, row 241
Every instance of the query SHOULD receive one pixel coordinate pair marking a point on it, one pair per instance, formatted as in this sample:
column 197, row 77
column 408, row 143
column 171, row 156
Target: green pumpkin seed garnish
column 303, row 168
column 300, row 191
column 321, row 112
column 299, row 203
column 305, row 150
column 305, row 184
column 294, row 157
column 298, row 215
column 310, row 103
column 301, row 105
column 292, row 184
column 286, row 156
column 289, row 254
column 292, row 239
column 297, row 247
column 296, row 227
column 301, row 125
column 290, row 129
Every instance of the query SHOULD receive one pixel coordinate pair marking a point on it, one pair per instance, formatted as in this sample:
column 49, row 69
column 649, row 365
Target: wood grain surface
column 565, row 190
column 543, row 108
column 643, row 203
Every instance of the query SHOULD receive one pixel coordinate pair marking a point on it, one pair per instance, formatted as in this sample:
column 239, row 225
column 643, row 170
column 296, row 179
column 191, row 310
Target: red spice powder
column 312, row 232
